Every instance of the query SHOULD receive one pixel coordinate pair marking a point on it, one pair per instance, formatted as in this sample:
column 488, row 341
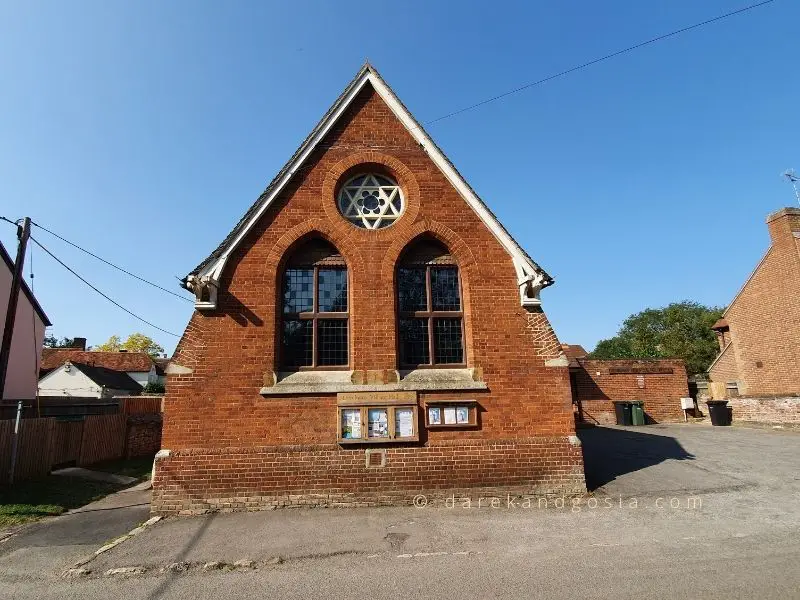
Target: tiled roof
column 117, row 361
column 574, row 351
column 108, row 378
column 720, row 324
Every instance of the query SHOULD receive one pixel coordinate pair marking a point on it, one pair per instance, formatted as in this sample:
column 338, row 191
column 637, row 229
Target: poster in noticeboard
column 404, row 422
column 351, row 423
column 434, row 415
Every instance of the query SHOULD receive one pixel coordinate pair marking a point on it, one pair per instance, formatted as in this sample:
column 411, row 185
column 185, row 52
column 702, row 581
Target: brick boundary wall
column 598, row 383
column 143, row 437
column 772, row 410
column 227, row 479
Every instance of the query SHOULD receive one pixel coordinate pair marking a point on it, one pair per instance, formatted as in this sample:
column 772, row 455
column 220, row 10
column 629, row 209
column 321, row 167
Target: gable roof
column 574, row 351
column 129, row 362
column 109, row 378
column 211, row 268
column 24, row 287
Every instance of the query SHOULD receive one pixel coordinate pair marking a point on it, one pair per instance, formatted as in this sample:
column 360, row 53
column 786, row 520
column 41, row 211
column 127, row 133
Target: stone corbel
column 530, row 284
column 205, row 291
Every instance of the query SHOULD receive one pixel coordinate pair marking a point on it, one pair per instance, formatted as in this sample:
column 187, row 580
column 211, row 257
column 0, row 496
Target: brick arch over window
column 371, row 161
column 282, row 256
column 458, row 250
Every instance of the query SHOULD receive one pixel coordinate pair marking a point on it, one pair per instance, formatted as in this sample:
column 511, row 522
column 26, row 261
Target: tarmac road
column 681, row 511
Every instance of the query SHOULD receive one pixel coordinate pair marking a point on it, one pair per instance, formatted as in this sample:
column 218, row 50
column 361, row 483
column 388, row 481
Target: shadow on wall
column 609, row 453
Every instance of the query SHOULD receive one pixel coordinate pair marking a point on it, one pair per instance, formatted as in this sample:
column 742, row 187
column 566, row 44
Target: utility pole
column 23, row 233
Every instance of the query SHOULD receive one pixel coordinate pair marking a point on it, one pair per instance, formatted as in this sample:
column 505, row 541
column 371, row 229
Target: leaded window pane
column 332, row 290
column 298, row 291
column 411, row 290
column 447, row 342
column 332, row 342
column 444, row 289
column 414, row 342
column 297, row 343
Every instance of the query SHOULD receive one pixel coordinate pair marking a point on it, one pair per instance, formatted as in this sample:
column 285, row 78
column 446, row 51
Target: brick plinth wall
column 771, row 410
column 198, row 481
column 144, row 435
column 598, row 383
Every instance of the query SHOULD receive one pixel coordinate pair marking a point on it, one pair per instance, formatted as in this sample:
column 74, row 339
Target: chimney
column 784, row 226
column 79, row 343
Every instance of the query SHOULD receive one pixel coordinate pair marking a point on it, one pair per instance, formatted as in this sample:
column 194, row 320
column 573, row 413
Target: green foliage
column 154, row 388
column 136, row 342
column 51, row 341
column 680, row 330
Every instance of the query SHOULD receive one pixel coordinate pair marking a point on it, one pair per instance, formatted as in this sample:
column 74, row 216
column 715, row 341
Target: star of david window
column 371, row 201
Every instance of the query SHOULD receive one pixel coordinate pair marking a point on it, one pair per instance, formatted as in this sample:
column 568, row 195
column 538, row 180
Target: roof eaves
column 274, row 183
column 280, row 179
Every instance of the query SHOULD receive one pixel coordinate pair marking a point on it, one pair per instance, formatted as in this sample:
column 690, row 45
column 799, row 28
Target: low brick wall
column 773, row 410
column 143, row 435
column 596, row 384
column 204, row 480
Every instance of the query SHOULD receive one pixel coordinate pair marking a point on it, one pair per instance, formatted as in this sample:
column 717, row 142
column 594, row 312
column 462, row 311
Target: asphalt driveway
column 675, row 511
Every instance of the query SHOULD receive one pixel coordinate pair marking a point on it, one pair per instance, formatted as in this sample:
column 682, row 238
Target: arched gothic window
column 314, row 308
column 430, row 315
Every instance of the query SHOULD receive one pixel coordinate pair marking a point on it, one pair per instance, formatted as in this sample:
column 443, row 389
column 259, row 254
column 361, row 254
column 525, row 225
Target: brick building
column 759, row 333
column 659, row 383
column 367, row 332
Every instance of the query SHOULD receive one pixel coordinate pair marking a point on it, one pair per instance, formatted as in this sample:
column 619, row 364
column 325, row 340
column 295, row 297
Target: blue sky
column 144, row 130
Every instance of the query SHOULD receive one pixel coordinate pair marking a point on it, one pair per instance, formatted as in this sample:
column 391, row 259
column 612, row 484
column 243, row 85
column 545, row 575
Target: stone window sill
column 334, row 382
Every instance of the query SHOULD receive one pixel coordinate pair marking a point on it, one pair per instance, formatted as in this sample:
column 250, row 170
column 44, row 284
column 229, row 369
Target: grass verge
column 52, row 495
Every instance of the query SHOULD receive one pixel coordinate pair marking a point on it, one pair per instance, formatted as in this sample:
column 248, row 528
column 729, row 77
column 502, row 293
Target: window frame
column 391, row 408
column 430, row 315
column 314, row 316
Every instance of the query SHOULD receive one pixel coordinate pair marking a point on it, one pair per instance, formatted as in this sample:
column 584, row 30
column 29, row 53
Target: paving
column 675, row 511
column 43, row 549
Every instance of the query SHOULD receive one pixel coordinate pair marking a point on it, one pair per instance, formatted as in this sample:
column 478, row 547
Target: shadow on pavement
column 609, row 452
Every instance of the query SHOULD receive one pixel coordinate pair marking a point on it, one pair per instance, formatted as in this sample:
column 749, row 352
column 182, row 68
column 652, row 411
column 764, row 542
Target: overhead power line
column 110, row 264
column 114, row 302
column 599, row 60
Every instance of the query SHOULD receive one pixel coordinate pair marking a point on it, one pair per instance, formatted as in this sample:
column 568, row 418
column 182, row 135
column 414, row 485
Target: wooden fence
column 45, row 443
column 139, row 405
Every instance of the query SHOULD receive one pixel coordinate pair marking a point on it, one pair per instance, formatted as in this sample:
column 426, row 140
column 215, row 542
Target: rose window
column 371, row 201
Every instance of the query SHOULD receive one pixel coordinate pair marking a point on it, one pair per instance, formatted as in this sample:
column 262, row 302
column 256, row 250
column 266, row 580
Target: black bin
column 719, row 412
column 622, row 410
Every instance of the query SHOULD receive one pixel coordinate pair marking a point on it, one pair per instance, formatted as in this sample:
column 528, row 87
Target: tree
column 51, row 341
column 680, row 330
column 136, row 342
column 113, row 344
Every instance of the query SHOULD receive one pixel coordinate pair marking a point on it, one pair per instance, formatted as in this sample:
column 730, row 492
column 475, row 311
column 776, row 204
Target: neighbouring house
column 759, row 333
column 161, row 369
column 26, row 343
column 73, row 379
column 139, row 366
column 367, row 332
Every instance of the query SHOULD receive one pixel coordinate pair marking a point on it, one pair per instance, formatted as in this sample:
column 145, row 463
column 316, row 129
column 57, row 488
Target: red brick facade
column 763, row 355
column 659, row 383
column 229, row 446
